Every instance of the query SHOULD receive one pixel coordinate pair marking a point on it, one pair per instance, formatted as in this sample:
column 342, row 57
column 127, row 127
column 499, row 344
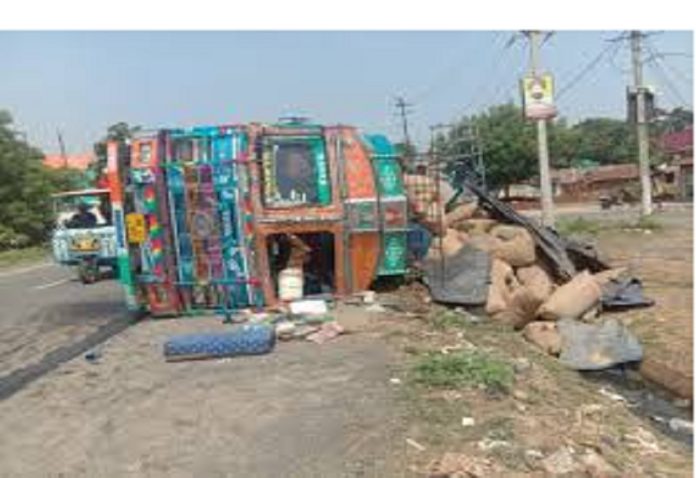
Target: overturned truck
column 228, row 217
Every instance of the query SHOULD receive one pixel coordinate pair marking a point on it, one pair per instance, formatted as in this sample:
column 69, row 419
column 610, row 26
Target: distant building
column 72, row 161
column 679, row 147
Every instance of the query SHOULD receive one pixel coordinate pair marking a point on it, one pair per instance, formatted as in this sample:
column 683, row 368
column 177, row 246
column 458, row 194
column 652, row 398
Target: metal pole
column 641, row 125
column 62, row 149
column 547, row 216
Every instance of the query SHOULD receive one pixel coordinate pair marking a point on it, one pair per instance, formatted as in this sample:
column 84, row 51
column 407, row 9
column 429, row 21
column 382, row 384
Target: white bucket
column 290, row 284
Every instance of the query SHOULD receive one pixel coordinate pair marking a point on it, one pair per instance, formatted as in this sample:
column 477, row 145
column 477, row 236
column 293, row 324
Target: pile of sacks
column 521, row 293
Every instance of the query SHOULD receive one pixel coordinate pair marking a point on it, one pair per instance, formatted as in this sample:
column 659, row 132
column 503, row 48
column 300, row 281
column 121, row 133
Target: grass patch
column 578, row 225
column 463, row 369
column 18, row 256
column 449, row 319
column 648, row 222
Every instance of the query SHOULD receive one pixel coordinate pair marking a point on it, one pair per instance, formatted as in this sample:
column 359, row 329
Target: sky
column 81, row 82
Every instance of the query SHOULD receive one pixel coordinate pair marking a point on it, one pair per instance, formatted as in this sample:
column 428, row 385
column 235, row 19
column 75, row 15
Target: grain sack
column 476, row 226
column 460, row 213
column 515, row 245
column 537, row 280
column 572, row 299
column 544, row 335
column 522, row 306
column 503, row 283
column 452, row 242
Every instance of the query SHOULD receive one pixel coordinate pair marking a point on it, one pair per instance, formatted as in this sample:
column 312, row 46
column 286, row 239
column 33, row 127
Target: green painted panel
column 322, row 171
column 394, row 254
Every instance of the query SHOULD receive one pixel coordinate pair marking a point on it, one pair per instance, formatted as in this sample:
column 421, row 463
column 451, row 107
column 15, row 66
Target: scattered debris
column 595, row 465
column 533, row 454
column 560, row 462
column 520, row 395
column 93, row 356
column 468, row 422
column 681, row 426
column 303, row 330
column 376, row 308
column 327, row 332
column 611, row 395
column 285, row 330
column 488, row 444
column 644, row 440
column 521, row 365
column 369, row 296
column 309, row 307
column 415, row 444
column 461, row 465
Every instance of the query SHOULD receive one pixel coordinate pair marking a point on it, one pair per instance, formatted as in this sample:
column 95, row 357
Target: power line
column 448, row 73
column 656, row 62
column 581, row 74
column 488, row 90
column 656, row 55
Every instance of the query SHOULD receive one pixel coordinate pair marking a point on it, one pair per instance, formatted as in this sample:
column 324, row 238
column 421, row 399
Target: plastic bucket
column 290, row 284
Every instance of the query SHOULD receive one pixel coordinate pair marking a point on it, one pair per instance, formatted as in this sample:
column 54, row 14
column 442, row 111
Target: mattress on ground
column 252, row 339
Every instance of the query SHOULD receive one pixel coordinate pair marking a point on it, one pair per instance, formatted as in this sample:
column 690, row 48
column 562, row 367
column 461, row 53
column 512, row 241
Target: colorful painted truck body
column 203, row 215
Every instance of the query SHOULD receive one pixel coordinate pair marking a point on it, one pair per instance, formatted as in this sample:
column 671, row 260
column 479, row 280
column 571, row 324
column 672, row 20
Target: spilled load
column 486, row 255
column 231, row 217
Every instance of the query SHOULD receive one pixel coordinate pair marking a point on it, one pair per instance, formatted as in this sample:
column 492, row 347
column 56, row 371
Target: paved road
column 47, row 316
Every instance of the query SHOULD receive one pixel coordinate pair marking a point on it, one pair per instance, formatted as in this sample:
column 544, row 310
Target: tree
column 605, row 140
column 121, row 132
column 673, row 121
column 508, row 141
column 26, row 186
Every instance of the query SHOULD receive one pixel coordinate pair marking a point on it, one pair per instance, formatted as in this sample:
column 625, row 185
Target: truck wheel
column 88, row 272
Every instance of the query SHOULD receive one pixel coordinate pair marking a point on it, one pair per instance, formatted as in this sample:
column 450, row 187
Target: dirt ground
column 663, row 260
column 304, row 410
column 351, row 407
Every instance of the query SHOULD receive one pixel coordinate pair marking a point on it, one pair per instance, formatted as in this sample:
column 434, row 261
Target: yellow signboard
column 135, row 228
column 537, row 97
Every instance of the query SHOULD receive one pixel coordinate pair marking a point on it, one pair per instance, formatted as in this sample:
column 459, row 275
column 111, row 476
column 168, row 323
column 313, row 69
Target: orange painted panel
column 364, row 256
column 358, row 169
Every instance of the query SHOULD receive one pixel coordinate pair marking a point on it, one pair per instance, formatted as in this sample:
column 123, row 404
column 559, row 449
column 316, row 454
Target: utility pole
column 641, row 125
column 547, row 216
column 62, row 149
column 403, row 106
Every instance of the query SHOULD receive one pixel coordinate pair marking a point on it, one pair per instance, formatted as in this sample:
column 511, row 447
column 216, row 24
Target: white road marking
column 14, row 272
column 52, row 284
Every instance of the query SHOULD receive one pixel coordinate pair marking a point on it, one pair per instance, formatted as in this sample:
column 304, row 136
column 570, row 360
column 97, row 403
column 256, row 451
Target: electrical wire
column 491, row 91
column 447, row 73
column 657, row 63
column 581, row 74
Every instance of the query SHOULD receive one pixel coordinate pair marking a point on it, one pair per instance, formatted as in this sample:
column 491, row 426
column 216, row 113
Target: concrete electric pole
column 403, row 106
column 641, row 125
column 403, row 113
column 61, row 145
column 547, row 216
